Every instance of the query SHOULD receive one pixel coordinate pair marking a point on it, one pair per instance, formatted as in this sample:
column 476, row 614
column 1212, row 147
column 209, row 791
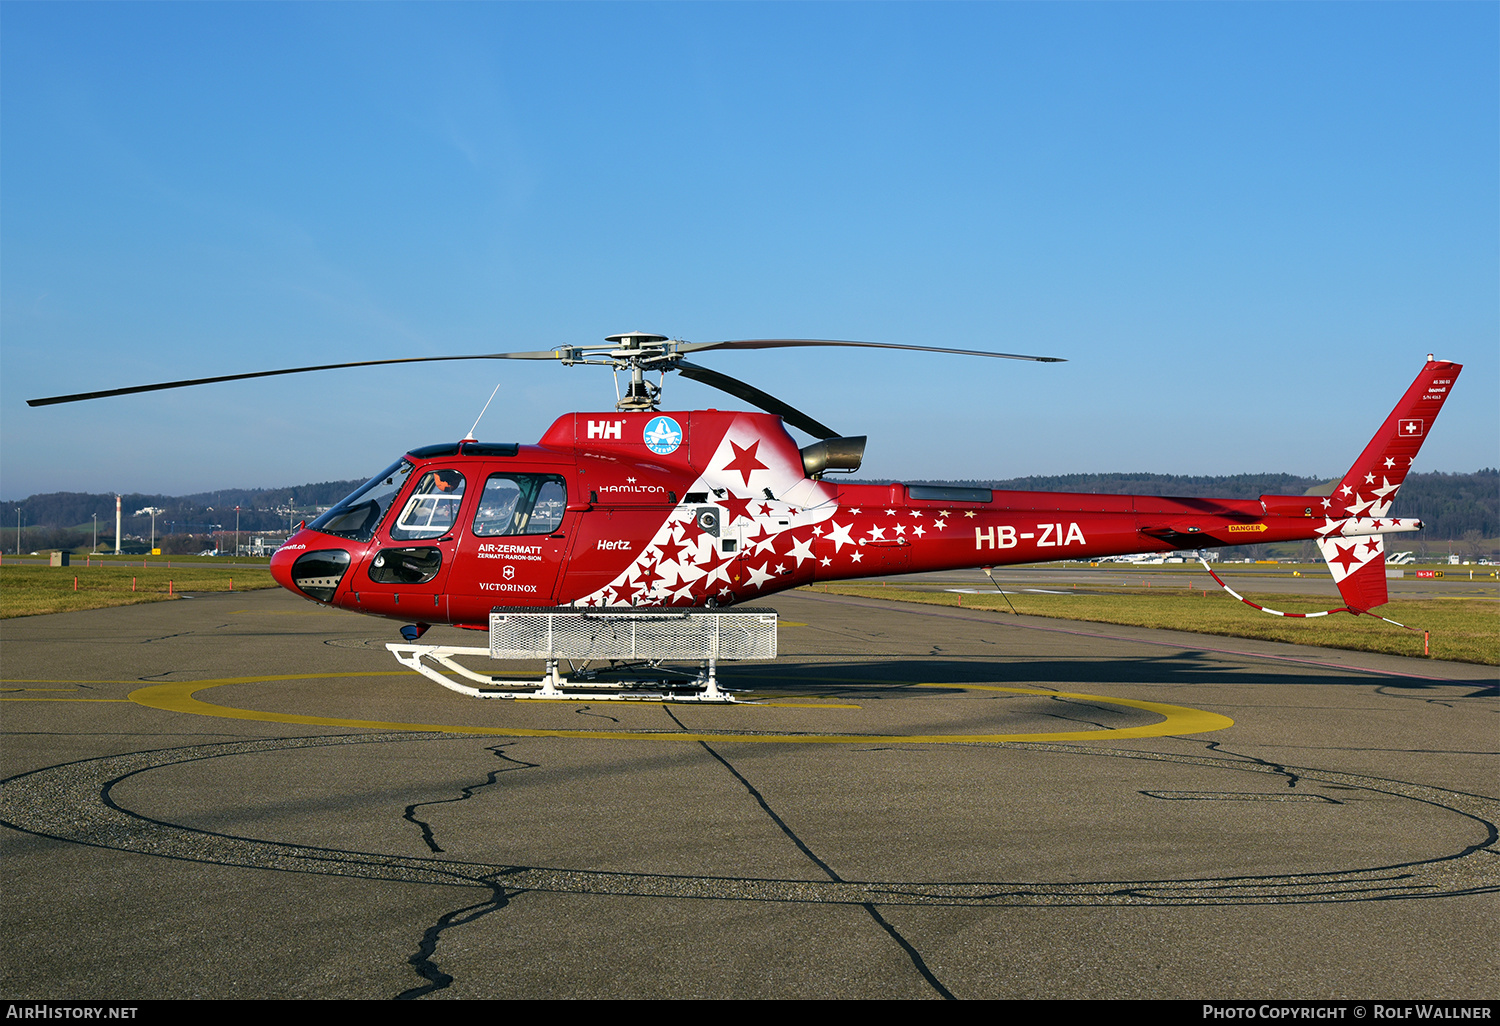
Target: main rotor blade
column 754, row 396
column 788, row 343
column 551, row 354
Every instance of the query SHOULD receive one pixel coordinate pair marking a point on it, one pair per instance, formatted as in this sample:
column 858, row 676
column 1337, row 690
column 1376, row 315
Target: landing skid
column 637, row 637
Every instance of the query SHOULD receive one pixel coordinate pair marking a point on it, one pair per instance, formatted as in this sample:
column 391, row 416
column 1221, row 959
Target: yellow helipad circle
column 181, row 697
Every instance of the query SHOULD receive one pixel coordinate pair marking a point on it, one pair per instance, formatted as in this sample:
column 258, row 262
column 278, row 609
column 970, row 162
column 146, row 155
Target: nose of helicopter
column 283, row 558
column 310, row 565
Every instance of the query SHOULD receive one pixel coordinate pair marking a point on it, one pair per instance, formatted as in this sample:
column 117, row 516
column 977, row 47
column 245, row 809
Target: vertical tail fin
column 1370, row 485
column 1358, row 564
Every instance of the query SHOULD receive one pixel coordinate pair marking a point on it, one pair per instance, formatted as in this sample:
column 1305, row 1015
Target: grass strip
column 1465, row 630
column 32, row 590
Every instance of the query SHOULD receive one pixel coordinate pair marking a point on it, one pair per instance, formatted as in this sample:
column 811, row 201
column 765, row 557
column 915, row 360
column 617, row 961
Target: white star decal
column 758, row 576
column 1381, row 506
column 1346, row 490
column 877, row 534
column 801, row 550
column 839, row 536
column 1369, row 479
column 918, row 531
column 825, row 561
column 890, row 512
column 855, row 557
column 900, row 529
column 1389, row 462
column 970, row 513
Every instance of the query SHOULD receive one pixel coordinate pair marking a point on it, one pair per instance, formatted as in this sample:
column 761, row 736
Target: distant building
column 264, row 545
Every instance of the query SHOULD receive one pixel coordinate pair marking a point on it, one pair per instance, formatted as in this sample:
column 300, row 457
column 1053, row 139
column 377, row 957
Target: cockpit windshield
column 357, row 516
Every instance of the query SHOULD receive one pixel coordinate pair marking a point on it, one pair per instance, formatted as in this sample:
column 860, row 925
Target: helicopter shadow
column 872, row 678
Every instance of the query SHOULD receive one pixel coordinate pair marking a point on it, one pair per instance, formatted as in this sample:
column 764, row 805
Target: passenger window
column 521, row 504
column 432, row 509
column 547, row 514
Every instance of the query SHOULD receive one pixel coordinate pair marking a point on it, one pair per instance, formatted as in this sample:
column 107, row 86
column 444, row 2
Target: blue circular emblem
column 663, row 435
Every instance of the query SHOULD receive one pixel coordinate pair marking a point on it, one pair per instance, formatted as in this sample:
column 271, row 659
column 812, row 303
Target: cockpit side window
column 521, row 504
column 432, row 509
column 357, row 516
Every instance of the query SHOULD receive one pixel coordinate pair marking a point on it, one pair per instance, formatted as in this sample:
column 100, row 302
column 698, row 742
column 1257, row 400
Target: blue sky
column 1244, row 225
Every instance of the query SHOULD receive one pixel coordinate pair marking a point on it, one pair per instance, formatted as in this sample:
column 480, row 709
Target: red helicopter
column 639, row 508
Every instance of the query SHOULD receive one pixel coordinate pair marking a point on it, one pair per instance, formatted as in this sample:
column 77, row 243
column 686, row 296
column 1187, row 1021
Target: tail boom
column 894, row 529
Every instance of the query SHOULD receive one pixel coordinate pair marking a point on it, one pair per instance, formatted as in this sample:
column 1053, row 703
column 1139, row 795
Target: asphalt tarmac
column 244, row 796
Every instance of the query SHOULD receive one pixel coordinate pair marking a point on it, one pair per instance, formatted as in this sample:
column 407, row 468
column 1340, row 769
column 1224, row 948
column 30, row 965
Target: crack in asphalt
column 917, row 961
column 1292, row 779
column 422, row 961
column 1080, row 719
column 410, row 815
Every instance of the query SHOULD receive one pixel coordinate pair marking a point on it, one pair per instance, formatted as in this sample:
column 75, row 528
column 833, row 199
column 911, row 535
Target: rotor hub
column 634, row 339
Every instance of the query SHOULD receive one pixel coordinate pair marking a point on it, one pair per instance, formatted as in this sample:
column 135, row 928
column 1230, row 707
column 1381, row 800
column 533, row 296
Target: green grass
column 1461, row 629
column 32, row 590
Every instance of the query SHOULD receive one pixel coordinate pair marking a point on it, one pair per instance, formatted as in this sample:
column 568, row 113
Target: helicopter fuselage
column 715, row 508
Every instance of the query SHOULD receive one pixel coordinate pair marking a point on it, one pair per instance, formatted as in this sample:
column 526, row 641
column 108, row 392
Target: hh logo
column 605, row 429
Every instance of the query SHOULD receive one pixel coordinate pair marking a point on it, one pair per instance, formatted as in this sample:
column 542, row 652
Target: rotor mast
column 635, row 349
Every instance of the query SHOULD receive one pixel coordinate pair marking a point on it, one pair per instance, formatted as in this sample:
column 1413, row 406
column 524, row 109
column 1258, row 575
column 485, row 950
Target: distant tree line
column 188, row 523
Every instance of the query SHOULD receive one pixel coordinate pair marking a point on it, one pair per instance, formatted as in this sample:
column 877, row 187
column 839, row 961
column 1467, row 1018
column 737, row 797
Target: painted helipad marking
column 76, row 802
column 180, row 697
column 30, row 694
column 116, row 700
